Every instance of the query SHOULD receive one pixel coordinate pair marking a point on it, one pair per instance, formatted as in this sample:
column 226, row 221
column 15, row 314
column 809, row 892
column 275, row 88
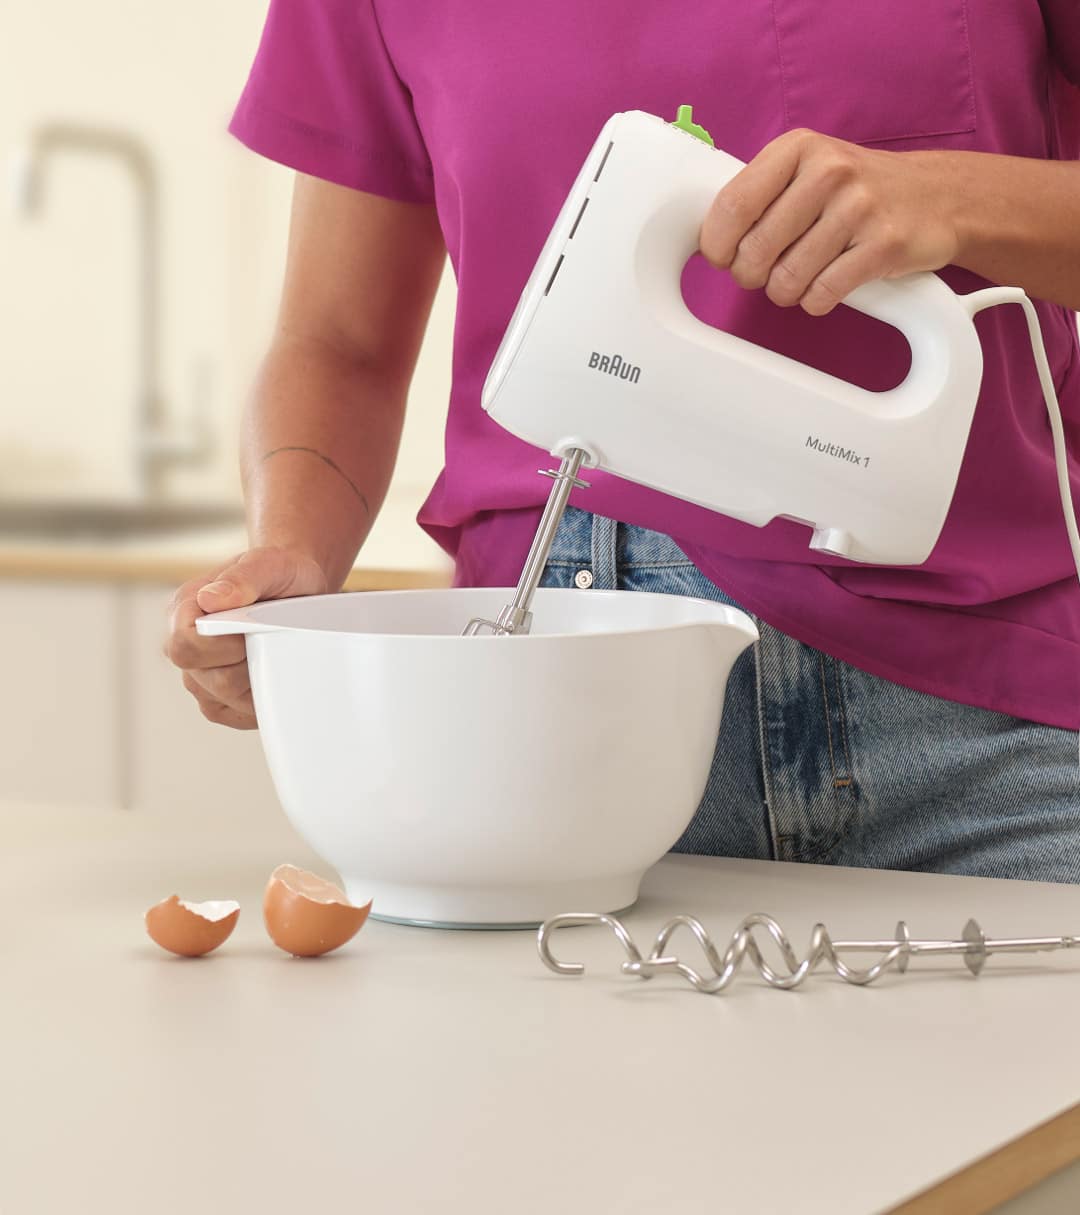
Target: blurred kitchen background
column 141, row 253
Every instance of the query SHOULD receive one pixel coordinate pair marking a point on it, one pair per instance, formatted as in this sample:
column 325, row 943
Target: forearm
column 317, row 452
column 1017, row 220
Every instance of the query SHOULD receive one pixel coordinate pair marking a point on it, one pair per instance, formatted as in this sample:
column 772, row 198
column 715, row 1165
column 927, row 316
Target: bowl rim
column 736, row 618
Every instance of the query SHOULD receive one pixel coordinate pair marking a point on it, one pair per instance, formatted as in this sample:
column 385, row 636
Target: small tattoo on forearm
column 325, row 460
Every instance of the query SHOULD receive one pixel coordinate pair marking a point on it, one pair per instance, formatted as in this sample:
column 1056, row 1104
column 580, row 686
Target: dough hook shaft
column 974, row 947
column 516, row 617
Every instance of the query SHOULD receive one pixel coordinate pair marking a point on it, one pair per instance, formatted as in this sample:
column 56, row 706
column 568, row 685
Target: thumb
column 247, row 580
column 253, row 576
column 230, row 589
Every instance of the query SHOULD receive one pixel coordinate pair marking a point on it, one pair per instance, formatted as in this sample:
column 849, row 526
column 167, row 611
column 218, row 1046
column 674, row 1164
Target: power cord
column 990, row 297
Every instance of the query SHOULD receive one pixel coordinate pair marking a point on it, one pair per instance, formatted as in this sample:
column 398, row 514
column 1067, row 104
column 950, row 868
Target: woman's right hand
column 215, row 668
column 360, row 277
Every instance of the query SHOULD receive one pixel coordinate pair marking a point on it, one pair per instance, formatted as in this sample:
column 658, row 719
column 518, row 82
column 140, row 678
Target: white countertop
column 417, row 1070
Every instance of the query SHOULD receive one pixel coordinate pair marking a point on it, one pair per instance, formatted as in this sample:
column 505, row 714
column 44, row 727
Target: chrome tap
column 155, row 449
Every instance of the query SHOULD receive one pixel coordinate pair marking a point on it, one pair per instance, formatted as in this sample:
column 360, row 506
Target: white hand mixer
column 604, row 366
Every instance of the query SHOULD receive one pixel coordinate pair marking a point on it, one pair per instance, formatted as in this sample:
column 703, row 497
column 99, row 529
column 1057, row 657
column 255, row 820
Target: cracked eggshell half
column 308, row 916
column 191, row 929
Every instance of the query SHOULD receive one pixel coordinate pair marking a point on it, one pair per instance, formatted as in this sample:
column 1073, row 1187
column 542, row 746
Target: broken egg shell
column 308, row 916
column 191, row 929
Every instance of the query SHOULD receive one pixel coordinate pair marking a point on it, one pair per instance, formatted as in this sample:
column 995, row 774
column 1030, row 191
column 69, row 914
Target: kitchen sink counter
column 397, row 554
column 417, row 1070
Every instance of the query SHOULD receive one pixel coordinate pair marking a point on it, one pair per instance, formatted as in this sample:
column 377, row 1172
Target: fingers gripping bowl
column 488, row 781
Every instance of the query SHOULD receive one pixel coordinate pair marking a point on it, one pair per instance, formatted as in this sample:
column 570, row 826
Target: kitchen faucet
column 155, row 448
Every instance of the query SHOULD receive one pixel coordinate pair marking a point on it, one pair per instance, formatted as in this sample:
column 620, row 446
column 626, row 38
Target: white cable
column 975, row 302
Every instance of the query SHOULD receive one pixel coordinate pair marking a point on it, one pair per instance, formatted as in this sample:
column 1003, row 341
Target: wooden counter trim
column 397, row 580
column 172, row 571
column 1001, row 1175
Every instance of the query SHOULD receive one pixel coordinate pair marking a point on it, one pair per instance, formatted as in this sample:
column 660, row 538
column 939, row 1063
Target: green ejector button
column 685, row 122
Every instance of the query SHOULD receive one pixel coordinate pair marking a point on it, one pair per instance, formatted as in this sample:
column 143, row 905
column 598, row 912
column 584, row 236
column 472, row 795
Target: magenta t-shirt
column 488, row 108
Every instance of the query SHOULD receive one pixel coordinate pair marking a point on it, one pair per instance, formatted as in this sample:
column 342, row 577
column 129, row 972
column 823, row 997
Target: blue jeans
column 819, row 761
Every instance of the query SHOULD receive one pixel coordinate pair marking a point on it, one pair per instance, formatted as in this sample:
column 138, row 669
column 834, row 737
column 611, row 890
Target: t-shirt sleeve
column 324, row 97
column 1062, row 18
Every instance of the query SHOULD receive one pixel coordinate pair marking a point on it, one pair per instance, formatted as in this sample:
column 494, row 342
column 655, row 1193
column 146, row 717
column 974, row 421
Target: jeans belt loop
column 603, row 553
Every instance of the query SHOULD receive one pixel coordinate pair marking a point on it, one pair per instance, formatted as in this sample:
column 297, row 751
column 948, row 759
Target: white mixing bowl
column 489, row 781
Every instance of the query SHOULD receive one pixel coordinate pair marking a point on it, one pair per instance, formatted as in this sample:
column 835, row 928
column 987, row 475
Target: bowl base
column 454, row 926
column 524, row 905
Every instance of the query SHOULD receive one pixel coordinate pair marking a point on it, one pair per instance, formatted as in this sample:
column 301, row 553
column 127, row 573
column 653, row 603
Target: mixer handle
column 937, row 323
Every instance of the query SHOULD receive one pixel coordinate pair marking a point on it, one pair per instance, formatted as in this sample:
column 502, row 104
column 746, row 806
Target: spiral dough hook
column 973, row 946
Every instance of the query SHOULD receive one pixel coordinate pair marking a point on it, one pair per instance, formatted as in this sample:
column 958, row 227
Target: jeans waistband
column 604, row 545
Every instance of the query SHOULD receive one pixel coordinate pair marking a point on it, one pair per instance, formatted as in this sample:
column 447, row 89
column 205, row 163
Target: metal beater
column 516, row 616
column 973, row 946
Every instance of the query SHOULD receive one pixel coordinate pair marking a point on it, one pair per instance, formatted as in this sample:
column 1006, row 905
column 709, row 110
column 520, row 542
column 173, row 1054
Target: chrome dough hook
column 973, row 946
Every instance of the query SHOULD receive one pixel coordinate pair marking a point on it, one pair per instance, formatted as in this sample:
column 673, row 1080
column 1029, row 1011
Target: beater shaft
column 516, row 617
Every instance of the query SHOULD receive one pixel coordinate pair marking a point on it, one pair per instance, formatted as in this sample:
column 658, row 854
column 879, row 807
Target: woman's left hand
column 810, row 218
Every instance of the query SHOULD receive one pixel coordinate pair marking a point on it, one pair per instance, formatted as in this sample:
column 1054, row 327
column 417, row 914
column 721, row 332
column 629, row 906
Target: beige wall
column 169, row 74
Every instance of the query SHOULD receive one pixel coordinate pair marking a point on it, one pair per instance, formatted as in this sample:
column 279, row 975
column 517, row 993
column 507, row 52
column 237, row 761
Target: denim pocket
column 876, row 73
column 670, row 578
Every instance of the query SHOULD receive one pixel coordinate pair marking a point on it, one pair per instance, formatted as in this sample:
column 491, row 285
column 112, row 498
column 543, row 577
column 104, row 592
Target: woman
column 918, row 718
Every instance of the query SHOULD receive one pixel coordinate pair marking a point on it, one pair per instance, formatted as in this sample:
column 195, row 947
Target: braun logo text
column 615, row 364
